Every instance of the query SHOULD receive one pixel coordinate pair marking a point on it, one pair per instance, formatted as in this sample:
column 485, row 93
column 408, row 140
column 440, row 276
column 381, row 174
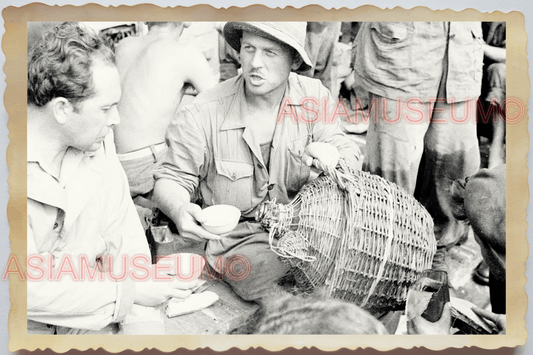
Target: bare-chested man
column 154, row 72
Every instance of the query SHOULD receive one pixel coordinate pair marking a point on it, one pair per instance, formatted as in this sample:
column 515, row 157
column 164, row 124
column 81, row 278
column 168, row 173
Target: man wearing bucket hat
column 247, row 140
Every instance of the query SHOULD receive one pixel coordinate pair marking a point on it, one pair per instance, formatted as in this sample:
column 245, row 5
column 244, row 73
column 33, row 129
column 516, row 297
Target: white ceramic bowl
column 221, row 219
column 185, row 266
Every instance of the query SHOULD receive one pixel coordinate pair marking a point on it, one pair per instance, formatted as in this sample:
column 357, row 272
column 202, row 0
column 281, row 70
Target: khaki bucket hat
column 290, row 33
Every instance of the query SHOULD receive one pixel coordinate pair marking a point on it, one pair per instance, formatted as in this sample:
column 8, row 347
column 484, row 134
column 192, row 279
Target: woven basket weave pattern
column 368, row 238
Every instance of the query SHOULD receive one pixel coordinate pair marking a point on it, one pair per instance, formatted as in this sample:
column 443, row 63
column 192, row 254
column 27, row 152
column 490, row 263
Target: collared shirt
column 212, row 148
column 405, row 60
column 87, row 212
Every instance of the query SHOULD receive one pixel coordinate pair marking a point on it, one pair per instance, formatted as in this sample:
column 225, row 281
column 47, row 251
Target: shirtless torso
column 154, row 70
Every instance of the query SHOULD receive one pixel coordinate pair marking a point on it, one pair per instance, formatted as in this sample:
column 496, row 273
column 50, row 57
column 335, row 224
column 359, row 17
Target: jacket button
column 260, row 166
column 56, row 225
column 270, row 187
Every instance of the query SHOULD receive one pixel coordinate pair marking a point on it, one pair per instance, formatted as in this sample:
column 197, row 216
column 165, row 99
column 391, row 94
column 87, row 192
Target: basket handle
column 340, row 174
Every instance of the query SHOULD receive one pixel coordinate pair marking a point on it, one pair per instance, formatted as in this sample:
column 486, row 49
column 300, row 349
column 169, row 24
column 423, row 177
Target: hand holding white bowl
column 220, row 219
column 190, row 216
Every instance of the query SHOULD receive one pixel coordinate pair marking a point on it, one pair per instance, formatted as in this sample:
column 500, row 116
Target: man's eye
column 105, row 109
column 270, row 53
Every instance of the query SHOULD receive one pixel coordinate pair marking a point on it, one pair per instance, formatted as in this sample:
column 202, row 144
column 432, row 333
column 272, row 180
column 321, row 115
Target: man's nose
column 257, row 60
column 114, row 117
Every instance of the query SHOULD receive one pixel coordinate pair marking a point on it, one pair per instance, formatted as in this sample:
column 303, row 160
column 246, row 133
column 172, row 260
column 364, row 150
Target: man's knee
column 496, row 74
column 257, row 277
column 497, row 69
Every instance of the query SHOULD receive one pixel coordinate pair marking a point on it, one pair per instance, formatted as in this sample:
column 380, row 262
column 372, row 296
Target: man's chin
column 94, row 147
column 257, row 89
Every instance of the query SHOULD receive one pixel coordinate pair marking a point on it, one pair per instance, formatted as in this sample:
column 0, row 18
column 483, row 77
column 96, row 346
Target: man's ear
column 296, row 62
column 62, row 109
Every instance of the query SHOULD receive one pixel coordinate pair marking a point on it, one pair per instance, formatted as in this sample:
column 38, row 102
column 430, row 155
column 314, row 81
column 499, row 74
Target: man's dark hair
column 316, row 314
column 60, row 64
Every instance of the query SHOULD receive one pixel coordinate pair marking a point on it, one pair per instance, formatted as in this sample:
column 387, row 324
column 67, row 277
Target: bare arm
column 179, row 175
column 169, row 197
column 197, row 71
column 494, row 53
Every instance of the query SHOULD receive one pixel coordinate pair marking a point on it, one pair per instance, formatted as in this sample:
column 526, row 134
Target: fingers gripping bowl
column 221, row 219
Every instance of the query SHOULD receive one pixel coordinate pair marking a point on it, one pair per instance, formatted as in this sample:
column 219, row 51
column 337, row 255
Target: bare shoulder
column 179, row 52
column 187, row 61
column 168, row 61
column 128, row 44
column 127, row 49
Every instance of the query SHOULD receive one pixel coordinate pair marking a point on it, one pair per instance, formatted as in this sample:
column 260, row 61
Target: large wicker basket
column 362, row 236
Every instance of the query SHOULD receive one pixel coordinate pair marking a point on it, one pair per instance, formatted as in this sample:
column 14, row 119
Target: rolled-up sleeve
column 184, row 161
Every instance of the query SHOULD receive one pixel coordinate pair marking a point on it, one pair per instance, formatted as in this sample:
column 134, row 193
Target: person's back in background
column 154, row 72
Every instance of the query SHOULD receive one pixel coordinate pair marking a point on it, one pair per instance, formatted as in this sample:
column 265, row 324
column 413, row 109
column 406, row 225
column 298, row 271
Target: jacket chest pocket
column 233, row 184
column 297, row 172
column 393, row 33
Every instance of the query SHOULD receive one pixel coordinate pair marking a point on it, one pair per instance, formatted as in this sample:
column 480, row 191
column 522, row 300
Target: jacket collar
column 233, row 118
column 294, row 90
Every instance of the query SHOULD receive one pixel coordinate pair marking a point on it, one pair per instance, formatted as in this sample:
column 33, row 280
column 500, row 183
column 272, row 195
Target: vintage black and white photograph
column 266, row 178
